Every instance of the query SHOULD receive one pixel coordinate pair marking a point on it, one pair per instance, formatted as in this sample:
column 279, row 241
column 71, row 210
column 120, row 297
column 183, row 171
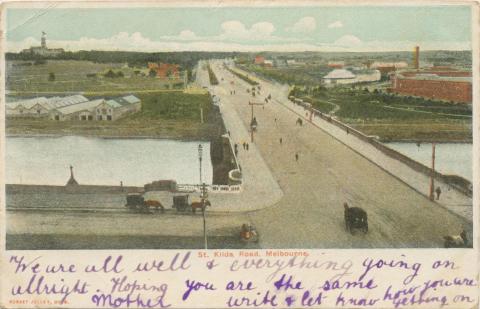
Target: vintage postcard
column 239, row 154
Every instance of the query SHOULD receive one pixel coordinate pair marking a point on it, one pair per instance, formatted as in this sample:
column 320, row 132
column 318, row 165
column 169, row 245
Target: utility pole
column 432, row 181
column 204, row 196
column 252, row 124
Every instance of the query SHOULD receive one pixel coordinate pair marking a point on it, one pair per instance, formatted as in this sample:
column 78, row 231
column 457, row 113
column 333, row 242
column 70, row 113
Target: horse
column 199, row 205
column 456, row 241
column 156, row 204
column 355, row 217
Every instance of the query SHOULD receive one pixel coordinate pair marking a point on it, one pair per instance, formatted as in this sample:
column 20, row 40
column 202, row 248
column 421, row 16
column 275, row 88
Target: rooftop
column 89, row 106
column 340, row 74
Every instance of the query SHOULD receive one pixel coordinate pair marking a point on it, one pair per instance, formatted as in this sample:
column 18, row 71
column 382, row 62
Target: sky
column 317, row 28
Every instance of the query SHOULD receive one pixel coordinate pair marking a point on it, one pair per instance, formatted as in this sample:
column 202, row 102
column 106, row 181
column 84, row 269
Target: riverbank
column 122, row 129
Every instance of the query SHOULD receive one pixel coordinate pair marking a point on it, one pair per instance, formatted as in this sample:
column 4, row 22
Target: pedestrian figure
column 438, row 191
column 275, row 119
column 296, row 156
column 263, row 106
column 246, row 146
column 281, row 140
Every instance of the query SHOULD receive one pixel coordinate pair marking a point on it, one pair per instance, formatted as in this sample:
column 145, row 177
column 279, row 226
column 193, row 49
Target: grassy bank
column 164, row 115
column 243, row 77
column 213, row 79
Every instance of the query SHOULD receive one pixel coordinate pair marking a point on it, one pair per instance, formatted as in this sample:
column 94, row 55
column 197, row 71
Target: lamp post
column 202, row 196
column 432, row 177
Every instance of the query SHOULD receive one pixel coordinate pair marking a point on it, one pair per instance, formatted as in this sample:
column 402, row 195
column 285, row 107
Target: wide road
column 327, row 174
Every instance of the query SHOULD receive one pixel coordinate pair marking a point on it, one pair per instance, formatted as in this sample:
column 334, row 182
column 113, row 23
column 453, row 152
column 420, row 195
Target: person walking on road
column 296, row 156
column 438, row 191
column 281, row 140
column 246, row 146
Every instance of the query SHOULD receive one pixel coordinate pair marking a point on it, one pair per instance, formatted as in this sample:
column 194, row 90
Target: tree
column 51, row 77
column 109, row 74
column 152, row 73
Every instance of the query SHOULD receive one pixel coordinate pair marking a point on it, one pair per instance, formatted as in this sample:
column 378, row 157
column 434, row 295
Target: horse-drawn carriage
column 137, row 203
column 181, row 203
column 248, row 233
column 355, row 218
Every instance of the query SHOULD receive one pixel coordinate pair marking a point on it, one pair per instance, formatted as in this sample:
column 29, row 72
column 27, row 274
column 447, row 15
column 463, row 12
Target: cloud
column 137, row 42
column 337, row 24
column 348, row 41
column 305, row 24
column 236, row 30
column 187, row 35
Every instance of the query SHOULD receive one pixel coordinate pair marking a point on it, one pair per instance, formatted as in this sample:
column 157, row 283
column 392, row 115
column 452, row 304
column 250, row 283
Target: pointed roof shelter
column 72, row 181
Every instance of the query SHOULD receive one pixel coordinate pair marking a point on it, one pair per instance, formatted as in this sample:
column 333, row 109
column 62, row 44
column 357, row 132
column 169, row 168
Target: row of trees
column 186, row 60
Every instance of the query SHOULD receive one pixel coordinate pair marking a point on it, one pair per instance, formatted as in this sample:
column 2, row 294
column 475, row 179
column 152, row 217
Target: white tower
column 44, row 40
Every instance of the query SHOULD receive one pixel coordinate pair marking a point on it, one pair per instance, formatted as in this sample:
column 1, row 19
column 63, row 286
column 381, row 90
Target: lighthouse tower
column 44, row 40
column 72, row 181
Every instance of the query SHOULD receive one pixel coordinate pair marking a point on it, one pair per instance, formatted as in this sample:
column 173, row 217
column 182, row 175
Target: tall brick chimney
column 416, row 58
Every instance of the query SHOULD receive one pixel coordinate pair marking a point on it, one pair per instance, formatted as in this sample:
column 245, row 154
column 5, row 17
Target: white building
column 339, row 76
column 98, row 110
column 344, row 77
column 80, row 111
column 396, row 65
column 40, row 106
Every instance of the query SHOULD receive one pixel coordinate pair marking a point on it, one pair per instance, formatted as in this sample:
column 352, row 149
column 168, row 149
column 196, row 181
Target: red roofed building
column 165, row 70
column 259, row 60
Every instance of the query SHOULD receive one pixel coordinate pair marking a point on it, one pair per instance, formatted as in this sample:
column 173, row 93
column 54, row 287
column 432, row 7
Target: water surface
column 98, row 161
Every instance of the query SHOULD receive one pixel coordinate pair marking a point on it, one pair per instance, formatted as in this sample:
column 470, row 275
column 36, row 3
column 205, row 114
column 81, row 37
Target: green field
column 25, row 77
column 164, row 115
column 392, row 117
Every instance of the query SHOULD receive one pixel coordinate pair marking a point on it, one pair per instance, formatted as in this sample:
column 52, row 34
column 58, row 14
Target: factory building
column 451, row 86
column 41, row 106
column 99, row 109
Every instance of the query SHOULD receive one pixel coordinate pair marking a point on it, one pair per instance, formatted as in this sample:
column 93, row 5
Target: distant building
column 43, row 50
column 268, row 63
column 165, row 70
column 336, row 64
column 291, row 62
column 339, row 76
column 344, row 76
column 367, row 76
column 41, row 106
column 98, row 110
column 446, row 85
column 259, row 60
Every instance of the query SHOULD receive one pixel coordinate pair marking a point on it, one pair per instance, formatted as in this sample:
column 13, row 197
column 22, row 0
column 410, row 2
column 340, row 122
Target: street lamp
column 202, row 196
column 200, row 153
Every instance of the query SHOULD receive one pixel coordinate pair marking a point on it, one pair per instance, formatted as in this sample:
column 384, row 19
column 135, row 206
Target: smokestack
column 416, row 58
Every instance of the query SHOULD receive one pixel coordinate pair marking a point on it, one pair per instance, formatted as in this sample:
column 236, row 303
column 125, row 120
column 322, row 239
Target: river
column 450, row 158
column 99, row 161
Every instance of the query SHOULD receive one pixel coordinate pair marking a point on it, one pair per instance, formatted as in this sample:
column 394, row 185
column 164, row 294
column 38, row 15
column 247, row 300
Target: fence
column 210, row 188
column 457, row 182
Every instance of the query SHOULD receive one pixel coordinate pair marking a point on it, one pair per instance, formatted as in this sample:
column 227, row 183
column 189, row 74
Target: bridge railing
column 210, row 188
column 457, row 182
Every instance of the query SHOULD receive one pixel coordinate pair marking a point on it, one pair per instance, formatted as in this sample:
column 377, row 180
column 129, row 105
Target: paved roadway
column 327, row 174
